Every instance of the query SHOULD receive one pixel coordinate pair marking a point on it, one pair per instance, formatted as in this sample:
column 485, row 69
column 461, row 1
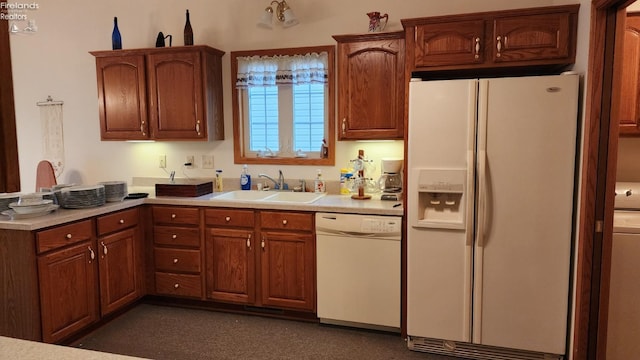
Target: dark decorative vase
column 188, row 32
column 160, row 40
column 116, row 39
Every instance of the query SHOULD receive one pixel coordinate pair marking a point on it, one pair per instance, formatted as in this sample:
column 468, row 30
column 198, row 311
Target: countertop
column 11, row 348
column 328, row 203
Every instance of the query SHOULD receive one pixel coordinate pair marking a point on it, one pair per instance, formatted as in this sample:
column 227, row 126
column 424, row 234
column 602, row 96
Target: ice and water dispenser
column 441, row 198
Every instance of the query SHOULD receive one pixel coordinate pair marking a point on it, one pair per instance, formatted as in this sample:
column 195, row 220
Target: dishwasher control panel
column 380, row 225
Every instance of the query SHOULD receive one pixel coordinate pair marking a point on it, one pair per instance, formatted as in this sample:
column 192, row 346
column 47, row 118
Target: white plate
column 16, row 216
column 31, row 208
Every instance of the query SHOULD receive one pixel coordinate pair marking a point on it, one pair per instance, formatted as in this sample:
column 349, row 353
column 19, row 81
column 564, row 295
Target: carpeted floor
column 163, row 332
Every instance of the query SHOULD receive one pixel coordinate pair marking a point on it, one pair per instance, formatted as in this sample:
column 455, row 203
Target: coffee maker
column 390, row 181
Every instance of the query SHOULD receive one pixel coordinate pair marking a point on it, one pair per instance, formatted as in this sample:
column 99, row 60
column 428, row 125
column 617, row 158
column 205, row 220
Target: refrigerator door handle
column 482, row 196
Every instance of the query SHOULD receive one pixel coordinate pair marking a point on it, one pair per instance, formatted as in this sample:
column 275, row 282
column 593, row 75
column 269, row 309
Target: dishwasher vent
column 474, row 351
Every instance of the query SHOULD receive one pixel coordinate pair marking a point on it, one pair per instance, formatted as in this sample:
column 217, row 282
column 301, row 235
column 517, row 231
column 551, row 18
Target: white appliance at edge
column 490, row 204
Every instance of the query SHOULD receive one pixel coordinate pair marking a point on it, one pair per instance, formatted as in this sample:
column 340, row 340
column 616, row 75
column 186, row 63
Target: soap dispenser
column 245, row 178
column 319, row 185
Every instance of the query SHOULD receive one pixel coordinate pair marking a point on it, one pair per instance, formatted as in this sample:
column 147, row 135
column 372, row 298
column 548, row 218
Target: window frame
column 238, row 124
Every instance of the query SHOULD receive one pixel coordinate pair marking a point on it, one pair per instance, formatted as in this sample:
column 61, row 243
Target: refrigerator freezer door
column 527, row 131
column 441, row 136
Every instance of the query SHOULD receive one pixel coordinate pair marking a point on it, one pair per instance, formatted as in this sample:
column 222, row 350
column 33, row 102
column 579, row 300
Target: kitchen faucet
column 279, row 185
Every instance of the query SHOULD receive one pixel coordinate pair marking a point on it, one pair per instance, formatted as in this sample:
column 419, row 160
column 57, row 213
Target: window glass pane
column 308, row 116
column 263, row 118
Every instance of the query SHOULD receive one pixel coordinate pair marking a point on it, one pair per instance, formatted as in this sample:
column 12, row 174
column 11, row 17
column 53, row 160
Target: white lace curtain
column 282, row 70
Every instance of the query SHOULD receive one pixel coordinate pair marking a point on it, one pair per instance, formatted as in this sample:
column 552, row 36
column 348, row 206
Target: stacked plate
column 80, row 197
column 6, row 199
column 114, row 190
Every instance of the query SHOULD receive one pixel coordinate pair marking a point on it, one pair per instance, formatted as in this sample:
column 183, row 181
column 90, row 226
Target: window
column 283, row 105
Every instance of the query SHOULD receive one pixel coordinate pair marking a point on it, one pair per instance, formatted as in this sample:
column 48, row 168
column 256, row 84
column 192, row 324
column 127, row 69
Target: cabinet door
column 68, row 291
column 450, row 43
column 288, row 270
column 118, row 277
column 629, row 113
column 371, row 88
column 176, row 105
column 230, row 265
column 122, row 96
column 532, row 37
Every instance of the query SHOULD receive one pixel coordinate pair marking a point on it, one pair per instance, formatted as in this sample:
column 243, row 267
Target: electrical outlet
column 191, row 160
column 207, row 161
column 163, row 162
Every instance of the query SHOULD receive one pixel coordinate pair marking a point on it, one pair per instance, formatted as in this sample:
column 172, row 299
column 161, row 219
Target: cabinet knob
column 499, row 45
column 227, row 219
column 344, row 126
column 175, row 286
column 249, row 241
column 284, row 222
column 104, row 247
column 175, row 261
column 198, row 127
column 174, row 236
column 68, row 236
column 121, row 221
column 477, row 48
column 173, row 216
column 92, row 255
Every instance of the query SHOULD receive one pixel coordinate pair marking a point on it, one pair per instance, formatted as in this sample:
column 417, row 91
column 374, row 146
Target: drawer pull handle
column 499, row 45
column 284, row 222
column 175, row 261
column 175, row 286
column 173, row 216
column 249, row 241
column 262, row 243
column 92, row 255
column 477, row 48
column 121, row 221
column 104, row 247
column 69, row 236
column 174, row 236
column 344, row 126
column 227, row 219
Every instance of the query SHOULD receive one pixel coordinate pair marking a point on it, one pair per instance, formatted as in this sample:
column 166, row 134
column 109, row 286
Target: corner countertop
column 328, row 203
column 11, row 348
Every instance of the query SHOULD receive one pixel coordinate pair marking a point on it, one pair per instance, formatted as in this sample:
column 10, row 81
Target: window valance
column 282, row 70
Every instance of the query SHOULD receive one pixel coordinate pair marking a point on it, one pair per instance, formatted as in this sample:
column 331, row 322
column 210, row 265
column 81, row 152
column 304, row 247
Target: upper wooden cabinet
column 160, row 93
column 628, row 69
column 371, row 86
column 543, row 36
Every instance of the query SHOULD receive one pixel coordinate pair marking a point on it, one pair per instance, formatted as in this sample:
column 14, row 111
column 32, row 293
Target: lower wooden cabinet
column 261, row 258
column 177, row 254
column 68, row 290
column 83, row 276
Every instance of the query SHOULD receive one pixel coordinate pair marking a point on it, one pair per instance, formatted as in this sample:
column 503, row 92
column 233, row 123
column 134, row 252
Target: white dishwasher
column 358, row 270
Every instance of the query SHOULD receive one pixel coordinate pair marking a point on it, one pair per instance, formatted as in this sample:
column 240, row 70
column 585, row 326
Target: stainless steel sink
column 269, row 196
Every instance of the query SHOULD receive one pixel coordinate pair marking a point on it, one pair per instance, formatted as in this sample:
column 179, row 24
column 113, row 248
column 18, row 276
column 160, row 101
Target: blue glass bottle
column 116, row 40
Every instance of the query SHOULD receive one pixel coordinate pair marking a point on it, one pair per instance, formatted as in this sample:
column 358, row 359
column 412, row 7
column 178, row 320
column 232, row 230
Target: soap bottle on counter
column 219, row 187
column 245, row 178
column 319, row 185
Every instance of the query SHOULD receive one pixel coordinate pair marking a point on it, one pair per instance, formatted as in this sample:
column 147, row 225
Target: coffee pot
column 390, row 183
column 375, row 21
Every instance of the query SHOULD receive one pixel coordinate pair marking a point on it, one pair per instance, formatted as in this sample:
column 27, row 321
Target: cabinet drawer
column 286, row 220
column 178, row 284
column 170, row 235
column 117, row 221
column 229, row 217
column 64, row 235
column 177, row 260
column 176, row 215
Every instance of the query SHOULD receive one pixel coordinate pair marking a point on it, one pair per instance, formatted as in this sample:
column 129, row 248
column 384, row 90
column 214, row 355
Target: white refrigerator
column 490, row 205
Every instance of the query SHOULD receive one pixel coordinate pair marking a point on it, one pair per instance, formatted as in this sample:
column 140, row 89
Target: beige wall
column 56, row 61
